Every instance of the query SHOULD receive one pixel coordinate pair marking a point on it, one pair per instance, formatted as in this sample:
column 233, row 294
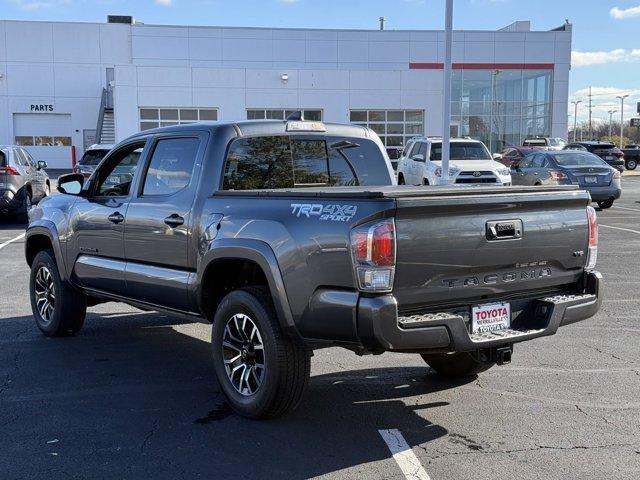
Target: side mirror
column 497, row 157
column 418, row 157
column 71, row 183
column 42, row 164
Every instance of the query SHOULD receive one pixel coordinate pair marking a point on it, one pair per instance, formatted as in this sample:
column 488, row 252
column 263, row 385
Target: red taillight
column 592, row 256
column 9, row 170
column 374, row 253
column 619, row 154
column 558, row 175
column 593, row 227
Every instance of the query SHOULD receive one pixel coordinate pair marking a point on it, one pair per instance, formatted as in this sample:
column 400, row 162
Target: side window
column 27, row 156
column 526, row 161
column 114, row 179
column 310, row 162
column 538, row 161
column 171, row 166
column 423, row 149
column 256, row 163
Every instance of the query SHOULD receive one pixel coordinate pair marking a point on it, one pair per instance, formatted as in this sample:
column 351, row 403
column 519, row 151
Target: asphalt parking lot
column 134, row 396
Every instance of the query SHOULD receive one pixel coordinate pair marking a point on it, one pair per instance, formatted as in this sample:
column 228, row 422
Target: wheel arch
column 44, row 235
column 247, row 260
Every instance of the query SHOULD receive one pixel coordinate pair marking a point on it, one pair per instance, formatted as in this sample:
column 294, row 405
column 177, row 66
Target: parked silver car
column 23, row 181
column 92, row 158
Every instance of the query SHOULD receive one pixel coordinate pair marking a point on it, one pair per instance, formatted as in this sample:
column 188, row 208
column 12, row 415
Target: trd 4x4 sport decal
column 331, row 212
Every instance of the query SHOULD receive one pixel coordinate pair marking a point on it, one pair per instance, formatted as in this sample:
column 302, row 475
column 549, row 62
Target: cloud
column 164, row 3
column 603, row 100
column 585, row 59
column 288, row 1
column 624, row 13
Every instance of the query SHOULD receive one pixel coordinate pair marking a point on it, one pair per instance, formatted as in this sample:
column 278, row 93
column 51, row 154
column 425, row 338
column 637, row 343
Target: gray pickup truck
column 291, row 236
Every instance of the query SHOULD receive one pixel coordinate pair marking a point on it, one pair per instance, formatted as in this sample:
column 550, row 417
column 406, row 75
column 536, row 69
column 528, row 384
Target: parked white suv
column 470, row 163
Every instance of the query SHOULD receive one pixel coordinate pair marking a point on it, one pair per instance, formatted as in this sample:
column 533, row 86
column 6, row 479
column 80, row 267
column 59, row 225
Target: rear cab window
column 297, row 161
column 93, row 157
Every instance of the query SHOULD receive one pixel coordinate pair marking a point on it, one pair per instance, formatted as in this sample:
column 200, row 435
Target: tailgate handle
column 504, row 230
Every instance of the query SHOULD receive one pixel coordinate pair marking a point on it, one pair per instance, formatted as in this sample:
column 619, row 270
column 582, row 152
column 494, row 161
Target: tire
column 47, row 189
column 401, row 180
column 631, row 164
column 605, row 204
column 67, row 306
column 268, row 391
column 455, row 365
column 425, row 182
column 23, row 212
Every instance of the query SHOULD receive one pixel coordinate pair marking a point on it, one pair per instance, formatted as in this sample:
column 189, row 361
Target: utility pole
column 590, row 112
column 622, row 97
column 446, row 108
column 611, row 112
column 575, row 120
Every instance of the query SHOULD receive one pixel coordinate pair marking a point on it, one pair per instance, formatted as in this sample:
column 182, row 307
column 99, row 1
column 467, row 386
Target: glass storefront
column 501, row 107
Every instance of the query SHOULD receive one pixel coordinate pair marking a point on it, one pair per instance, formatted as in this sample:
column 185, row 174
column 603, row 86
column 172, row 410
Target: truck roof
column 267, row 127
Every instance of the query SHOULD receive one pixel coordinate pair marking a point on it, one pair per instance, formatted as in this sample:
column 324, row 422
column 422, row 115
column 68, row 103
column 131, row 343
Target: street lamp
column 622, row 97
column 575, row 118
column 446, row 107
column 611, row 112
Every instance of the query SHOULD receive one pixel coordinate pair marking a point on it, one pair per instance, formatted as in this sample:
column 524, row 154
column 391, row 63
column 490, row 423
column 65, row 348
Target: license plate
column 113, row 179
column 490, row 317
column 590, row 179
column 608, row 157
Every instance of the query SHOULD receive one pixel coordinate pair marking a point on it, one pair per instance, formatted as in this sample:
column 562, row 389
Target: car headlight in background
column 504, row 171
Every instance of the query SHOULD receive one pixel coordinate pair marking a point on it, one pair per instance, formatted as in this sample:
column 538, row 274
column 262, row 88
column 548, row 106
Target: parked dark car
column 607, row 151
column 91, row 158
column 570, row 167
column 513, row 155
column 23, row 181
column 394, row 154
column 631, row 156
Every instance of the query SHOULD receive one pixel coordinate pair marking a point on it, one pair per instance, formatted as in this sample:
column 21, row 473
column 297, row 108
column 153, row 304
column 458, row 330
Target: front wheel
column 58, row 308
column 23, row 212
column 456, row 365
column 606, row 204
column 631, row 164
column 401, row 180
column 262, row 373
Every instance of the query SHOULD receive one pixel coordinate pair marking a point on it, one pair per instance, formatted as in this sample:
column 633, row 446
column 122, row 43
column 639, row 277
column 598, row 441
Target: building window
column 394, row 127
column 281, row 114
column 501, row 107
column 166, row 117
column 42, row 141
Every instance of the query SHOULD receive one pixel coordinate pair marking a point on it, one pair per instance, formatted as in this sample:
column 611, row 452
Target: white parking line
column 626, row 208
column 2, row 245
column 403, row 455
column 620, row 228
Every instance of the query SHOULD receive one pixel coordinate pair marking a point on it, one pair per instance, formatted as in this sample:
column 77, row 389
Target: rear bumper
column 599, row 194
column 380, row 328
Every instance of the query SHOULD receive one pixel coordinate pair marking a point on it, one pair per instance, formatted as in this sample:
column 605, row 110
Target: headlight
column 504, row 171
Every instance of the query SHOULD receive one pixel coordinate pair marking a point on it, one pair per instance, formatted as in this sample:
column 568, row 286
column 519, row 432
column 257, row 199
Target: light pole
column 446, row 107
column 575, row 118
column 611, row 112
column 622, row 97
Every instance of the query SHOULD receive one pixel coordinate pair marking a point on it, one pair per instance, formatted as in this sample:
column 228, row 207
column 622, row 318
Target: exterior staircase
column 106, row 127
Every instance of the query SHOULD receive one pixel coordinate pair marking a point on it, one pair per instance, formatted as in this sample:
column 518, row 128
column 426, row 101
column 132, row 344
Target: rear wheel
column 425, row 181
column 262, row 373
column 58, row 308
column 606, row 204
column 47, row 189
column 631, row 164
column 23, row 212
column 462, row 364
column 401, row 179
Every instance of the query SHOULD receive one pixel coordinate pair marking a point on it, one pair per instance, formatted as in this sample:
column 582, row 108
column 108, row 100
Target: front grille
column 476, row 177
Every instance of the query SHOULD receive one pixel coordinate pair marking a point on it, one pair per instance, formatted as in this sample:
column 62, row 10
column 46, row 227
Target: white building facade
column 60, row 82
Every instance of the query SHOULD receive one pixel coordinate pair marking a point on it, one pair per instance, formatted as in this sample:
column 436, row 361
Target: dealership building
column 64, row 86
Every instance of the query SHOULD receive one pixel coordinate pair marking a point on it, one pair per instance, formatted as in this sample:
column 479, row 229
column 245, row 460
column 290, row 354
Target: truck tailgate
column 475, row 247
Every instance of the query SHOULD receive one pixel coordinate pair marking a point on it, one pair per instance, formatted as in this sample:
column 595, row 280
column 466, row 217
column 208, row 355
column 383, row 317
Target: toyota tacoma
column 291, row 236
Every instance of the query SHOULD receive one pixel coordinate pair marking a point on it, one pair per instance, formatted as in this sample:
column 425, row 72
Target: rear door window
column 171, row 166
column 538, row 161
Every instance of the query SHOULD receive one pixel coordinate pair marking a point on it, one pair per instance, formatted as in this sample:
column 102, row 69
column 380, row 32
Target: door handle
column 174, row 220
column 116, row 217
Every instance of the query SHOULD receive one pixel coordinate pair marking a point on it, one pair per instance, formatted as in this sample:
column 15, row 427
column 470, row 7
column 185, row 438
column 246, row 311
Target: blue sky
column 606, row 35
